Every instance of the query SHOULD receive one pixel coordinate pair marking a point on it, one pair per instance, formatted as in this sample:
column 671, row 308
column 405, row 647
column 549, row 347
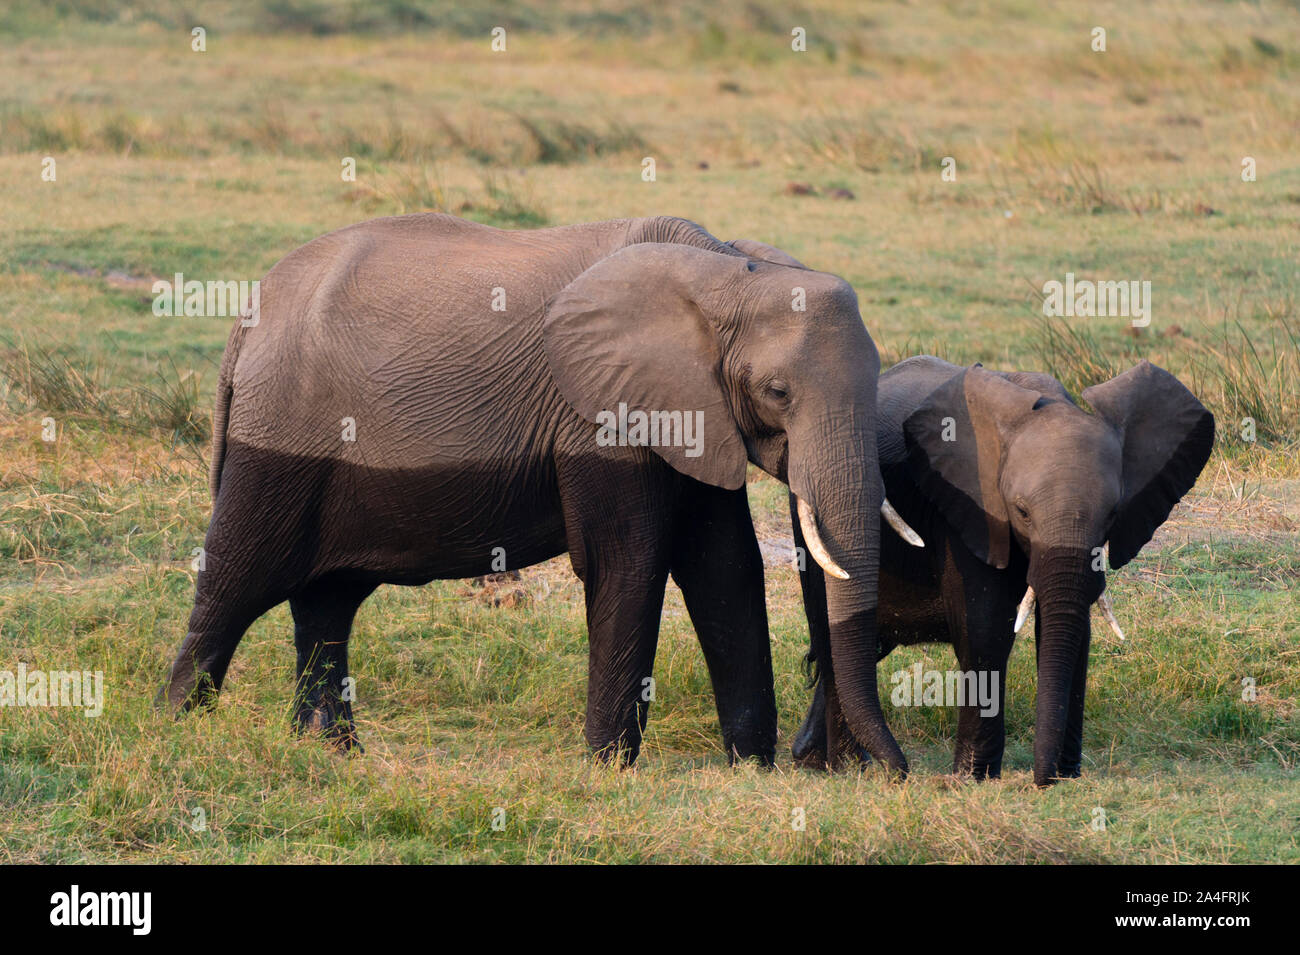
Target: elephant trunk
column 847, row 511
column 1064, row 589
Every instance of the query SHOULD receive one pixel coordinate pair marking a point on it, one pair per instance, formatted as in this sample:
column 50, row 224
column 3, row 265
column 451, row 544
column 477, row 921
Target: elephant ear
column 630, row 331
column 765, row 253
column 956, row 440
column 1045, row 385
column 1167, row 436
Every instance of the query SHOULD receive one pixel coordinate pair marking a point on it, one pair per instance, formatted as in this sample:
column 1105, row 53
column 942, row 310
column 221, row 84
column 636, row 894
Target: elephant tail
column 221, row 407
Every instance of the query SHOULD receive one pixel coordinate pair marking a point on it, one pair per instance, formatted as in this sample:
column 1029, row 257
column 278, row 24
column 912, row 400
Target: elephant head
column 1011, row 461
column 774, row 361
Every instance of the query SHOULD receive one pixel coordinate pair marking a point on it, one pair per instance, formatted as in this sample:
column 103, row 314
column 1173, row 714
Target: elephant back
column 901, row 391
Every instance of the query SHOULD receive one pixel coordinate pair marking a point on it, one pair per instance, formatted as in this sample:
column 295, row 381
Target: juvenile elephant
column 422, row 397
column 1016, row 491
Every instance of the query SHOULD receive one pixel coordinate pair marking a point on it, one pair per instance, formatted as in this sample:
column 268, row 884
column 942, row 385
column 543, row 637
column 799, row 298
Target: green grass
column 1124, row 165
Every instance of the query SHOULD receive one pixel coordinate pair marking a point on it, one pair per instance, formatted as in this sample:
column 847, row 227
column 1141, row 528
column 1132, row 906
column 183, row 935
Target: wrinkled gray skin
column 1026, row 492
column 475, row 438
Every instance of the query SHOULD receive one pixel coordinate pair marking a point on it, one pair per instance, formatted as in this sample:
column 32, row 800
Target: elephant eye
column 778, row 390
column 1022, row 511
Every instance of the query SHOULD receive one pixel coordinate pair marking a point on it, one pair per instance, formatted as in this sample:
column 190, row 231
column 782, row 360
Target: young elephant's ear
column 765, row 253
column 1167, row 436
column 956, row 440
column 631, row 331
column 1045, row 385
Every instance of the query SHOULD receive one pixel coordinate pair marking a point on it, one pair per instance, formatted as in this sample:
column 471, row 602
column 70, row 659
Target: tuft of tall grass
column 488, row 137
column 867, row 145
column 1073, row 356
column 63, row 382
column 510, row 203
column 407, row 190
column 57, row 381
column 77, row 127
column 1252, row 377
column 507, row 202
column 890, row 355
column 175, row 406
column 26, row 129
column 1043, row 169
column 1237, row 374
column 562, row 141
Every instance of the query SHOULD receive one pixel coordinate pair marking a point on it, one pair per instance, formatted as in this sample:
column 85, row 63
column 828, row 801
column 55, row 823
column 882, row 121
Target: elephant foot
column 180, row 696
column 978, row 771
column 809, row 749
column 1070, row 771
column 617, row 752
column 763, row 757
column 809, row 757
column 750, row 739
column 331, row 721
column 814, row 757
column 856, row 758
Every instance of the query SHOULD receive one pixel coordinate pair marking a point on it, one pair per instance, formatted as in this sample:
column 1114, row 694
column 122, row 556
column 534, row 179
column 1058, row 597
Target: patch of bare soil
column 1265, row 513
column 552, row 579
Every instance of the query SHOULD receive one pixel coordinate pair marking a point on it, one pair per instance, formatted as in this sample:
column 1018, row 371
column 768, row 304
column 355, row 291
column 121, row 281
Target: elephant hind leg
column 228, row 599
column 811, row 741
column 251, row 561
column 322, row 622
column 809, row 749
column 201, row 662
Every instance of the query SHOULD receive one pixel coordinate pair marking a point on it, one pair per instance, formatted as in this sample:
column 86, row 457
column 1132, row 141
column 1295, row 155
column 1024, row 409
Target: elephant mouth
column 1103, row 604
column 816, row 547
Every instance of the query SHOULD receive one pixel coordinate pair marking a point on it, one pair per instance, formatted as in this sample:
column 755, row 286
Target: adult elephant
column 422, row 397
column 1017, row 491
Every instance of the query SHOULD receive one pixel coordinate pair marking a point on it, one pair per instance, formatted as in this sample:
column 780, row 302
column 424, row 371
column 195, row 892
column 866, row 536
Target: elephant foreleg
column 717, row 564
column 983, row 636
column 620, row 547
column 981, row 734
column 623, row 628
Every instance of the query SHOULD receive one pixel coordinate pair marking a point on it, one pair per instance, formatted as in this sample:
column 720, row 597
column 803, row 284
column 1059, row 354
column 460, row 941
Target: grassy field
column 1117, row 165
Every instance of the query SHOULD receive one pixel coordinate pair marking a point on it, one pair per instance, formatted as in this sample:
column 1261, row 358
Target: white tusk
column 1025, row 609
column 1108, row 611
column 808, row 523
column 897, row 523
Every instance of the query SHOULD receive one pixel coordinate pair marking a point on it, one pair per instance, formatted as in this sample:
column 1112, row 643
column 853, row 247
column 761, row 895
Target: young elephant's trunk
column 1065, row 592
